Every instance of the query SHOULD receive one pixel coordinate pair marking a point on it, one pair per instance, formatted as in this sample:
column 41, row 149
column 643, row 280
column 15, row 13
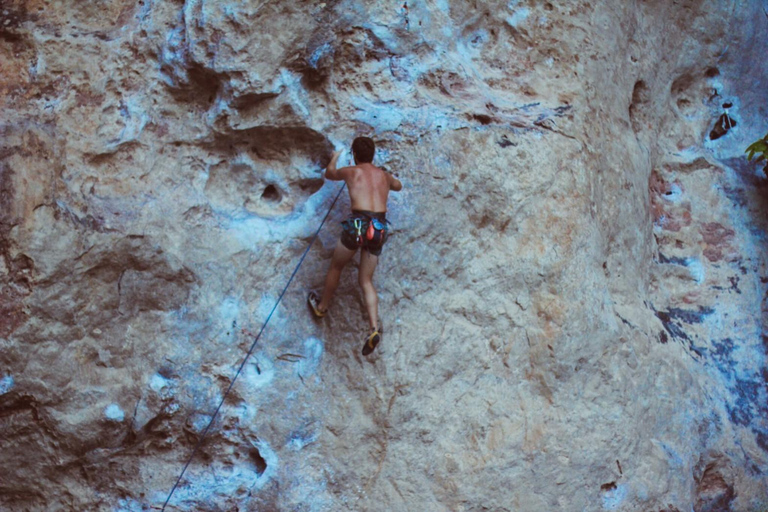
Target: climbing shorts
column 364, row 229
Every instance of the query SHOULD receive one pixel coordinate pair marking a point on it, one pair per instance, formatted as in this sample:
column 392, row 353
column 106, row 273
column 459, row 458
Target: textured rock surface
column 573, row 298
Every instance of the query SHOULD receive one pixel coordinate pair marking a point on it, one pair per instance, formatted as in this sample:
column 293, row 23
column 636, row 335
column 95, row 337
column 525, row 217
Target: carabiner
column 359, row 227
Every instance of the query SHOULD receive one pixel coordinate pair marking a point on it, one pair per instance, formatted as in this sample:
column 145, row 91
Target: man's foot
column 371, row 341
column 314, row 305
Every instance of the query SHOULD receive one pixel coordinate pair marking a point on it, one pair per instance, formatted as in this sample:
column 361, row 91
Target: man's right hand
column 330, row 171
column 394, row 184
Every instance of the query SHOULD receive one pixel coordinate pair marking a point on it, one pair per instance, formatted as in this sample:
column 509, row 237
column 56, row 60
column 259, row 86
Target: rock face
column 573, row 298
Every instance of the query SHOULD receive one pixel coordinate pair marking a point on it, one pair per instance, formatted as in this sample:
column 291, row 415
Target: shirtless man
column 365, row 228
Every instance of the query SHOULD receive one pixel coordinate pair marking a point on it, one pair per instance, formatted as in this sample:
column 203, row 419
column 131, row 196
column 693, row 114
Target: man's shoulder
column 349, row 169
column 365, row 168
column 376, row 168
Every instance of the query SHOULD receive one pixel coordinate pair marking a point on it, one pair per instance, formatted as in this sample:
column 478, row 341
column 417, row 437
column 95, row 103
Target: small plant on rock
column 759, row 148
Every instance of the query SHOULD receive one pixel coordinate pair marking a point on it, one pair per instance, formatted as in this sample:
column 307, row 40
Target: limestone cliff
column 573, row 298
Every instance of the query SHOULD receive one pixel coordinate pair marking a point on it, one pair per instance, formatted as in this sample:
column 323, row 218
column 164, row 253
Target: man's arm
column 394, row 183
column 332, row 173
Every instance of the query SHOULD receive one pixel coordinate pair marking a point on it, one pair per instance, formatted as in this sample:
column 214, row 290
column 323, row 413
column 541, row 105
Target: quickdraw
column 359, row 230
column 375, row 232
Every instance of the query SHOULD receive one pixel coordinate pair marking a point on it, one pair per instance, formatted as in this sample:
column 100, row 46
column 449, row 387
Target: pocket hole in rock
column 482, row 118
column 722, row 126
column 271, row 194
column 640, row 99
column 712, row 72
column 258, row 461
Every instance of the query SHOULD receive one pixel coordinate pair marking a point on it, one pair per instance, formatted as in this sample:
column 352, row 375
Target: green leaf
column 759, row 148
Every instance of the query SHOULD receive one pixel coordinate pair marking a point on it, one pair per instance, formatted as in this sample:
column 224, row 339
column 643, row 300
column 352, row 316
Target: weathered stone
column 573, row 295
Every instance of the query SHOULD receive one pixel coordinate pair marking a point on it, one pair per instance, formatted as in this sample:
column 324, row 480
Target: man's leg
column 365, row 277
column 341, row 256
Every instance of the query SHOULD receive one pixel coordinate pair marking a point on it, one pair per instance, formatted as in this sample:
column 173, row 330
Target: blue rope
column 250, row 350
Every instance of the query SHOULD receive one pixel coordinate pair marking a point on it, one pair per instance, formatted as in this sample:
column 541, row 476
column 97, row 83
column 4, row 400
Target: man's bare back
column 368, row 185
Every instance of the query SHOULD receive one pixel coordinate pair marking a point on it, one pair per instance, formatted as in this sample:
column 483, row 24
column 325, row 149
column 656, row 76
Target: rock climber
column 366, row 228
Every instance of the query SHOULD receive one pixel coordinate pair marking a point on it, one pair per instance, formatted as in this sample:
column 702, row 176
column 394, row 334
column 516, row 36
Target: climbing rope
column 250, row 350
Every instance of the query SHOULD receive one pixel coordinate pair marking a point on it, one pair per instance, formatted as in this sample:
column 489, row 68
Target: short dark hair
column 363, row 149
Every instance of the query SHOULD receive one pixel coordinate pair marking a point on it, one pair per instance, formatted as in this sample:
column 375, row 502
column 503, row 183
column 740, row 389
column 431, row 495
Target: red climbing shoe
column 314, row 305
column 371, row 341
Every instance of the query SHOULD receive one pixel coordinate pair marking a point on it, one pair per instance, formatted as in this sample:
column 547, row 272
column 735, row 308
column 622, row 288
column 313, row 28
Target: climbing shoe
column 314, row 303
column 371, row 341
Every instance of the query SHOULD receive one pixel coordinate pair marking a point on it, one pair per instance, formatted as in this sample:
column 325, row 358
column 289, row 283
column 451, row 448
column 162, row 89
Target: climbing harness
column 368, row 231
column 250, row 350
